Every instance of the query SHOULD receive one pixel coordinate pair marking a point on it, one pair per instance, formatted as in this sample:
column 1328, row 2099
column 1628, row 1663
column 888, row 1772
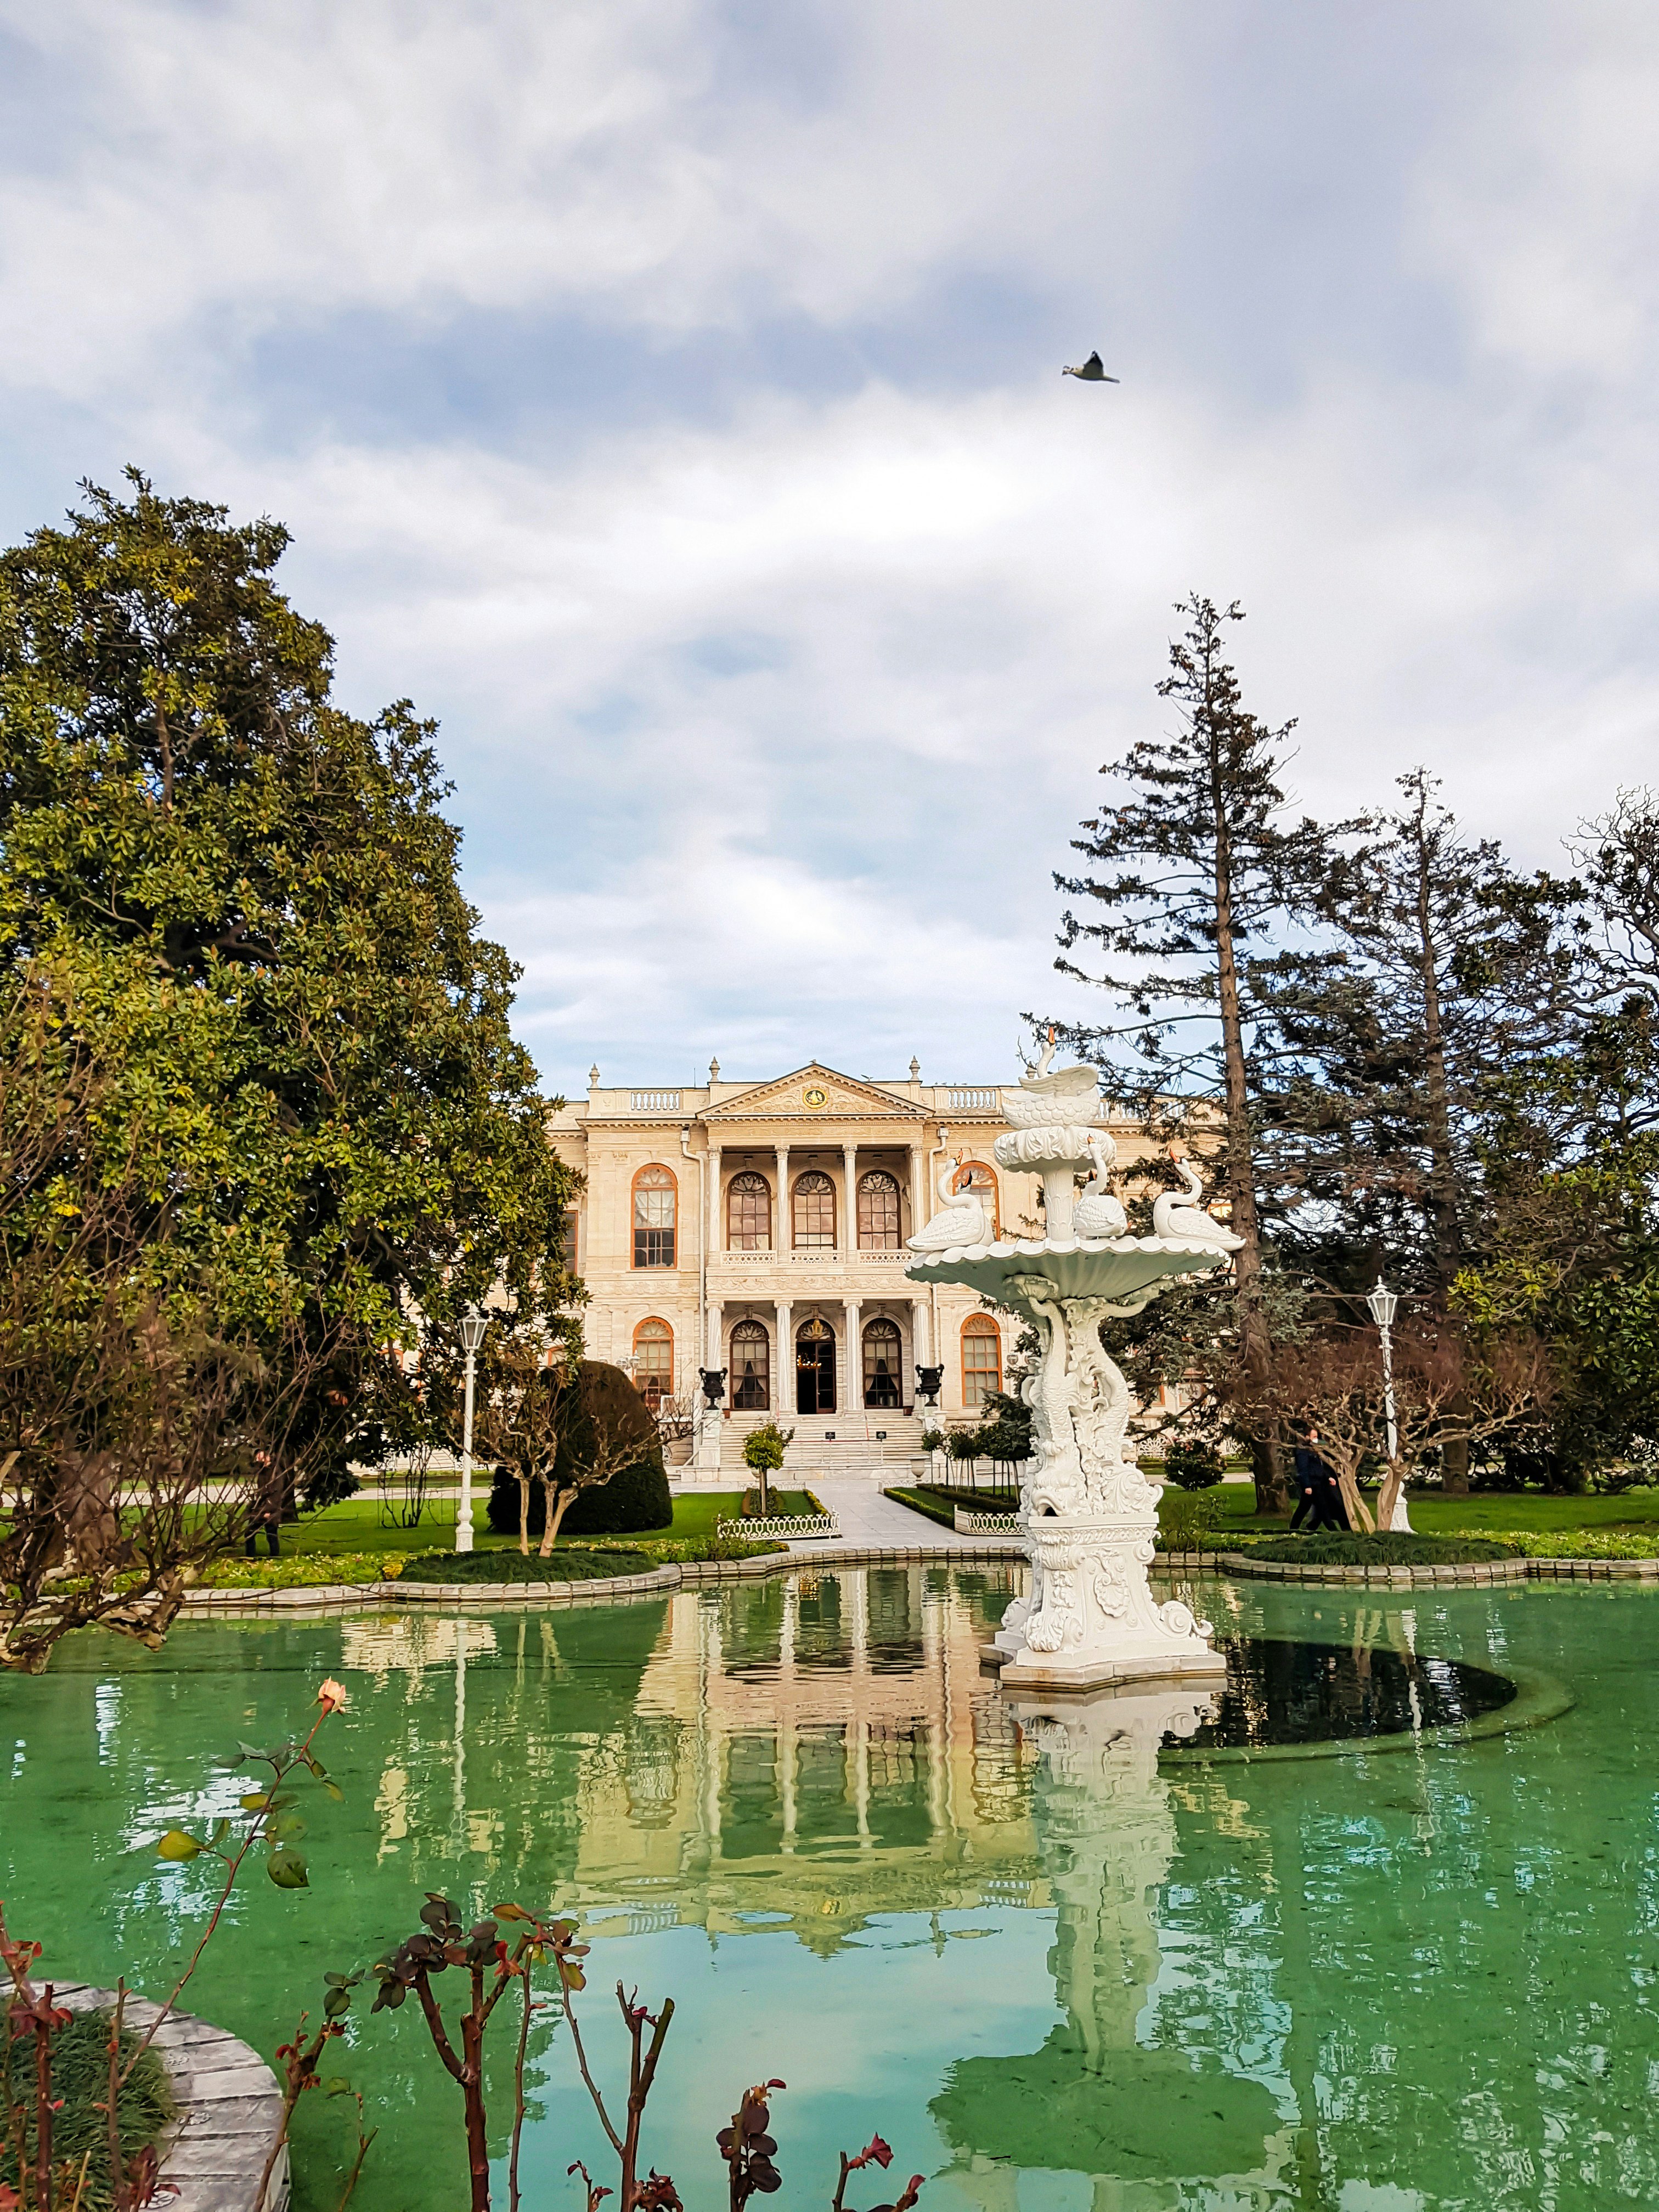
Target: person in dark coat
column 1318, row 1489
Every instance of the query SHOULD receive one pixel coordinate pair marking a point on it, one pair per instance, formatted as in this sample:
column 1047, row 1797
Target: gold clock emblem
column 815, row 1098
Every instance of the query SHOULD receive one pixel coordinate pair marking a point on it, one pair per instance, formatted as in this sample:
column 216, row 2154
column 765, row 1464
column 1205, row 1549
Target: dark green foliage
column 248, row 900
column 506, row 1564
column 1380, row 1551
column 611, row 1415
column 80, row 2076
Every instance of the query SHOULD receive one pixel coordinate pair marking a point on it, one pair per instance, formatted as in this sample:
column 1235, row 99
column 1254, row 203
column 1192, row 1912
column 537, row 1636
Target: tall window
column 879, row 1213
column 982, row 1358
column 882, row 1367
column 749, row 1213
column 975, row 1176
column 568, row 1241
column 751, row 1366
column 815, row 1213
column 653, row 1362
column 654, row 1193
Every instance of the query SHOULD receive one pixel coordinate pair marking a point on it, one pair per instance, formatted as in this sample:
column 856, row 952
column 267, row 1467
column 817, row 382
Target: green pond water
column 1055, row 1968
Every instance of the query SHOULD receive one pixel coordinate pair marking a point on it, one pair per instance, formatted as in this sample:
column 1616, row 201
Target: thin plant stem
column 81, row 2181
column 581, row 2061
column 281, row 1771
column 518, row 2096
column 119, row 2193
column 364, row 2142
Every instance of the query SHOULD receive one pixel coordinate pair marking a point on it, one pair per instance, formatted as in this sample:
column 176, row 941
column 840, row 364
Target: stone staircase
column 826, row 1446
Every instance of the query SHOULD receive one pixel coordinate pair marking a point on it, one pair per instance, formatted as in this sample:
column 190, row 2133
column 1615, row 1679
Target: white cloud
column 769, row 720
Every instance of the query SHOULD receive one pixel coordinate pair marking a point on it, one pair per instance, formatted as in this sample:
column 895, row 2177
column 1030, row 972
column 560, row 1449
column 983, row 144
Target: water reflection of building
column 818, row 1750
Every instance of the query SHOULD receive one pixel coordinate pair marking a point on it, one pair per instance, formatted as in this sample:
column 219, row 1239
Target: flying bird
column 1091, row 372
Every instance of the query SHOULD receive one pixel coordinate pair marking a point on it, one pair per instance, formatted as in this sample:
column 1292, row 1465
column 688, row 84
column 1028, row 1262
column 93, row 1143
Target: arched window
column 815, row 1213
column 883, row 1364
column 982, row 1358
column 653, row 1362
column 654, row 1194
column 749, row 1213
column 975, row 1176
column 878, row 1213
column 751, row 1368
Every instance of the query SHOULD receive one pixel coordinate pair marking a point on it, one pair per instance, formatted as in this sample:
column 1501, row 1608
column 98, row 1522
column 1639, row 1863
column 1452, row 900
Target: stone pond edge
column 230, row 2110
column 690, row 1574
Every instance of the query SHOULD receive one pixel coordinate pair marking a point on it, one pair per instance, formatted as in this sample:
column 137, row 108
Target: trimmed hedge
column 1382, row 1550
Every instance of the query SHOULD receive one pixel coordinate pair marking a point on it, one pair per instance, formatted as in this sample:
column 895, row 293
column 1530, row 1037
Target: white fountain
column 1087, row 1513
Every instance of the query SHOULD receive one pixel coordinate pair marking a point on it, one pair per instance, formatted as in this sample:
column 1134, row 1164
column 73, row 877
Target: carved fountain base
column 1091, row 1618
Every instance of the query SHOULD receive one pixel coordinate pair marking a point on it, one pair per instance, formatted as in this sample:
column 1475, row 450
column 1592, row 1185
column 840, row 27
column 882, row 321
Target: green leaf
column 511, row 1912
column 178, row 1846
column 255, row 1801
column 336, row 2005
column 336, row 2086
column 287, row 1868
column 286, row 1828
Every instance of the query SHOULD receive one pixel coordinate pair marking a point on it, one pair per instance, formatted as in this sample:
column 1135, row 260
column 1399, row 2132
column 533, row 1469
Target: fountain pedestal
column 1087, row 1514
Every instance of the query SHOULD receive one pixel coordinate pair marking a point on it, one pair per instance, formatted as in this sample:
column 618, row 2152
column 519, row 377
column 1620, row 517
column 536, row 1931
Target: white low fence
column 969, row 1523
column 784, row 1526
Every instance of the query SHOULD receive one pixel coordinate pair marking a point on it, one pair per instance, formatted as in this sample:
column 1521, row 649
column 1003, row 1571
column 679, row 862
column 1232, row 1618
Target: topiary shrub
column 638, row 1497
column 1191, row 1465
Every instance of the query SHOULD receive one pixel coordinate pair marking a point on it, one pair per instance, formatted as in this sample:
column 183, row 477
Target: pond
column 1057, row 1966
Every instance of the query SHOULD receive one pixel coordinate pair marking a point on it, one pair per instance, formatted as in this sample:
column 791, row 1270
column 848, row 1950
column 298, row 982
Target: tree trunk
column 1443, row 1163
column 477, row 2146
column 558, row 1504
column 524, row 1516
column 1255, row 1352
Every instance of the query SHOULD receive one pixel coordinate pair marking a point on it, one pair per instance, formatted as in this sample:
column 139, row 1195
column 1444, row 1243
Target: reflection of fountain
column 1089, row 1513
column 1097, row 2098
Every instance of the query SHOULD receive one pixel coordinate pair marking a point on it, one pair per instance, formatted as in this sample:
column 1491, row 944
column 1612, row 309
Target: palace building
column 760, row 1228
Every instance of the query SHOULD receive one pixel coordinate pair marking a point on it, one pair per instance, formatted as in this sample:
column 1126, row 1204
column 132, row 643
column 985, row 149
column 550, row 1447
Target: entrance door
column 815, row 1368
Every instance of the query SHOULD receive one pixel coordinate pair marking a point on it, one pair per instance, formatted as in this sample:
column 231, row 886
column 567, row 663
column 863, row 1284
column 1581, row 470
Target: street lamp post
column 472, row 1335
column 1383, row 1304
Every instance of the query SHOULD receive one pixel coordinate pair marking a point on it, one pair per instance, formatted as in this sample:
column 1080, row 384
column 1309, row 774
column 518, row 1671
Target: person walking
column 1317, row 1488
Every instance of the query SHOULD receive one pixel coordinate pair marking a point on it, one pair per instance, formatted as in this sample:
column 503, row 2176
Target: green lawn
column 1521, row 1513
column 355, row 1525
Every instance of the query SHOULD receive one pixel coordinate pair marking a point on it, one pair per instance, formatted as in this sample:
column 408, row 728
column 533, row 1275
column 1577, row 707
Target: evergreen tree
column 1193, row 876
column 1449, row 977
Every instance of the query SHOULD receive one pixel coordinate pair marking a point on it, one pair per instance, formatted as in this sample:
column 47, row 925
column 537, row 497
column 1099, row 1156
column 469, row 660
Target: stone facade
column 760, row 1228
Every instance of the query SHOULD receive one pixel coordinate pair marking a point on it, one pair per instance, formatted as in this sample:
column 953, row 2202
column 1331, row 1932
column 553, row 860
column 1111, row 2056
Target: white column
column 849, row 1167
column 783, row 1362
column 711, row 1420
column 918, row 1190
column 781, row 1223
column 921, row 1349
column 712, row 1227
column 854, row 1357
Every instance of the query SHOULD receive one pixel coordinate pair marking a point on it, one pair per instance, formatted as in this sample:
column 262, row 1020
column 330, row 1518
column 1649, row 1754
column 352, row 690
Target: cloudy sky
column 665, row 394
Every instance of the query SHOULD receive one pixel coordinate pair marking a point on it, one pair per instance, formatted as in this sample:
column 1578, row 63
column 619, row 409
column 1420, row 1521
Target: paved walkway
column 867, row 1518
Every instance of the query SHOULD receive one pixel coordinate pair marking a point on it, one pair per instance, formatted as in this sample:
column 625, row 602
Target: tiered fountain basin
column 1088, row 1515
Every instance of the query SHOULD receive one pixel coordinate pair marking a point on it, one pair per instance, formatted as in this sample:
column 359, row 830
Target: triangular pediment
column 817, row 1093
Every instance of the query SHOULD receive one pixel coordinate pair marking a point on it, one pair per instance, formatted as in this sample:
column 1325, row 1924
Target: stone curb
column 677, row 1574
column 230, row 2110
column 1483, row 1573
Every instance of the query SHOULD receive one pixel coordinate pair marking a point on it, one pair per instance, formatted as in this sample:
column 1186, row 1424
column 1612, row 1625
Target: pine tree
column 1449, row 982
column 1193, row 876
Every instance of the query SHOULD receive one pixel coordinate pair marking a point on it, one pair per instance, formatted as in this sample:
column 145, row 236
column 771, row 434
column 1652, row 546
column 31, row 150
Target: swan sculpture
column 1096, row 1212
column 961, row 1218
column 1191, row 1224
column 1070, row 1095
